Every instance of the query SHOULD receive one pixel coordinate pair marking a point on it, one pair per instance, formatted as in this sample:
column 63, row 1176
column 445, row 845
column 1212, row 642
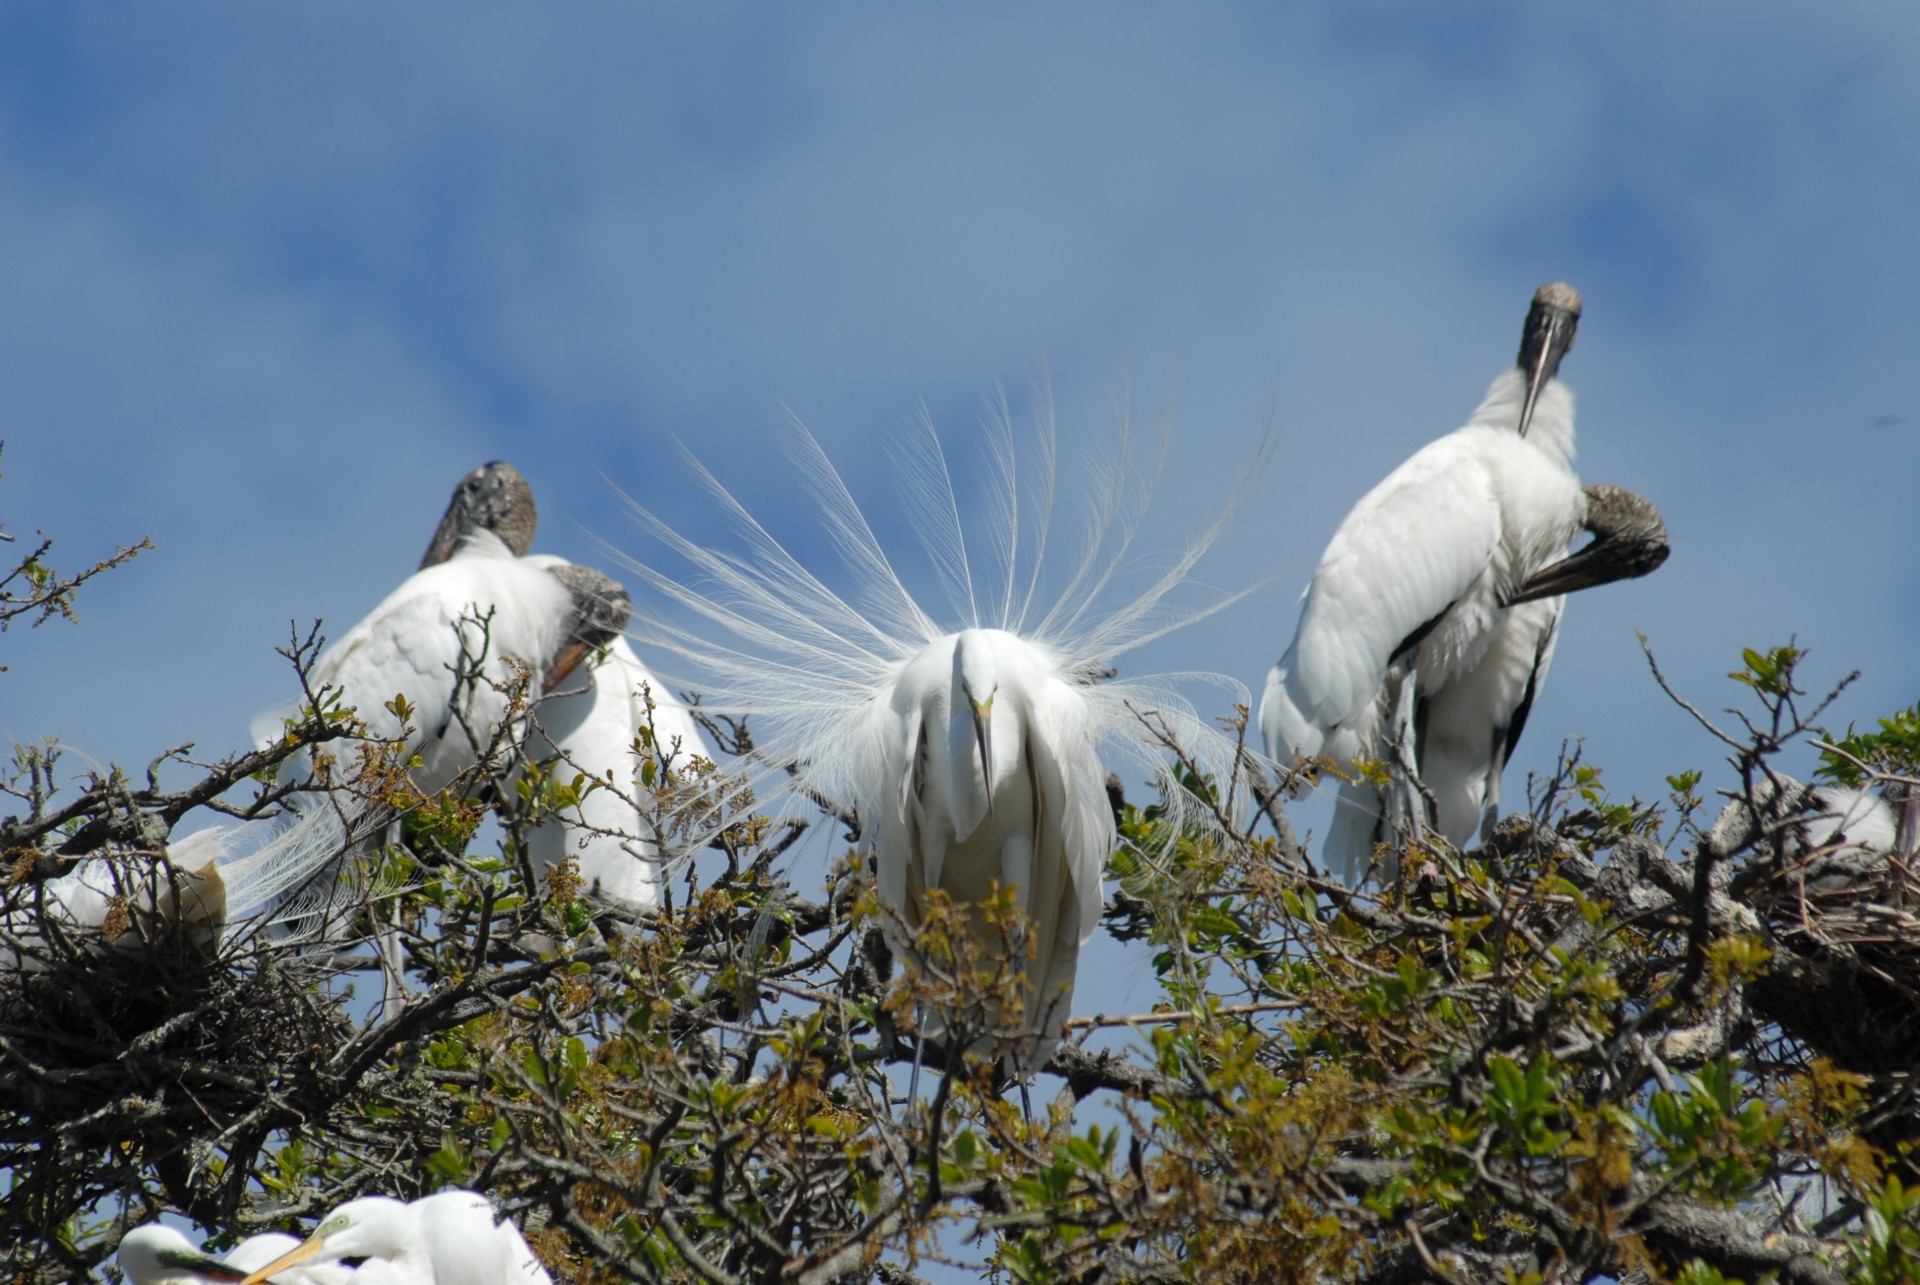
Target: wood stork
column 450, row 639
column 592, row 727
column 589, row 728
column 971, row 751
column 451, row 1236
column 1430, row 622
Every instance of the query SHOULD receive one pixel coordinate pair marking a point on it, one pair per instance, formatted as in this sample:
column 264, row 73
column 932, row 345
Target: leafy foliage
column 1577, row 1051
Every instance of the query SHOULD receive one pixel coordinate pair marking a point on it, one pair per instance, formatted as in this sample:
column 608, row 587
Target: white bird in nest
column 591, row 726
column 969, row 747
column 156, row 1254
column 1826, row 836
column 178, row 902
column 1430, row 622
column 452, row 1236
column 451, row 639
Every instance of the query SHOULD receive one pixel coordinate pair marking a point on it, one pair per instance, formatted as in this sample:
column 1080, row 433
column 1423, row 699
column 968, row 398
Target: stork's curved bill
column 1431, row 620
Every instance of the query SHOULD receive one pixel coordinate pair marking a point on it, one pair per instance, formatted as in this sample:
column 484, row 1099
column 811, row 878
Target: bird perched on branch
column 590, row 726
column 970, row 745
column 156, row 1254
column 452, row 640
column 452, row 1236
column 1430, row 622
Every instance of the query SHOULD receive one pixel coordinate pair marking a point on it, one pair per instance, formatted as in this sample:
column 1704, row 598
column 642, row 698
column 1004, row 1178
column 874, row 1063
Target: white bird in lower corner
column 1430, row 622
column 452, row 1236
column 156, row 1254
column 971, row 753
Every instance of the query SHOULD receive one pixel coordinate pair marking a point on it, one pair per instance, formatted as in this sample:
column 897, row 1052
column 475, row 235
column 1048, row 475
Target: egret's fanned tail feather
column 854, row 692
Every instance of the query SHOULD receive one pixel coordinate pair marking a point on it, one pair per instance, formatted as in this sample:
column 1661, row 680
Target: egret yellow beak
column 983, row 737
column 298, row 1254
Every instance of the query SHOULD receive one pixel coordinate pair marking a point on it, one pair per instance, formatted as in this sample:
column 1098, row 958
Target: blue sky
column 275, row 276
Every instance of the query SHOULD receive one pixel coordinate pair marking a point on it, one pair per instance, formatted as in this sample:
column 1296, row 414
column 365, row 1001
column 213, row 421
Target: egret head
column 370, row 1227
column 494, row 497
column 156, row 1254
column 1547, row 337
column 976, row 680
column 600, row 611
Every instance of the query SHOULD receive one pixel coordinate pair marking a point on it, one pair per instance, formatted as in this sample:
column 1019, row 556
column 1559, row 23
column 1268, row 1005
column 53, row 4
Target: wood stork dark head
column 1547, row 337
column 600, row 611
column 494, row 497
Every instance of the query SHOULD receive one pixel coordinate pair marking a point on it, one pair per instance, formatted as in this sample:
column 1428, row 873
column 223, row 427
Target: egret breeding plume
column 451, row 640
column 970, row 746
column 452, row 1236
column 1430, row 622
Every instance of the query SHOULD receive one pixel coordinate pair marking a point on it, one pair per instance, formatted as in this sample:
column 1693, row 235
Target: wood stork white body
column 451, row 639
column 592, row 726
column 1431, row 580
column 451, row 1236
column 972, row 751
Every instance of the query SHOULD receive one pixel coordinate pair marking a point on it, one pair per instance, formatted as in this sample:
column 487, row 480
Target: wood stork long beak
column 1547, row 337
column 494, row 497
column 300, row 1253
column 600, row 611
column 1629, row 540
column 983, row 737
column 564, row 663
column 199, row 1264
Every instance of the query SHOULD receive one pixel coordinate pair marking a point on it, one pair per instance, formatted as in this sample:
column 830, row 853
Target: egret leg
column 919, row 1049
column 1026, row 1105
column 392, row 963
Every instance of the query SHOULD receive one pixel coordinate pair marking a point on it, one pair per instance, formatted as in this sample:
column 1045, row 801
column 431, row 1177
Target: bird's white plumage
column 591, row 726
column 862, row 688
column 451, row 638
column 1035, row 828
column 482, row 602
column 1437, row 545
column 156, row 1254
column 452, row 1236
column 182, row 898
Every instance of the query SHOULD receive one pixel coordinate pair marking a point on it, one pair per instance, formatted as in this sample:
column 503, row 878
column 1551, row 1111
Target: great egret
column 452, row 1236
column 971, row 751
column 156, row 1254
column 1430, row 622
column 1828, row 834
